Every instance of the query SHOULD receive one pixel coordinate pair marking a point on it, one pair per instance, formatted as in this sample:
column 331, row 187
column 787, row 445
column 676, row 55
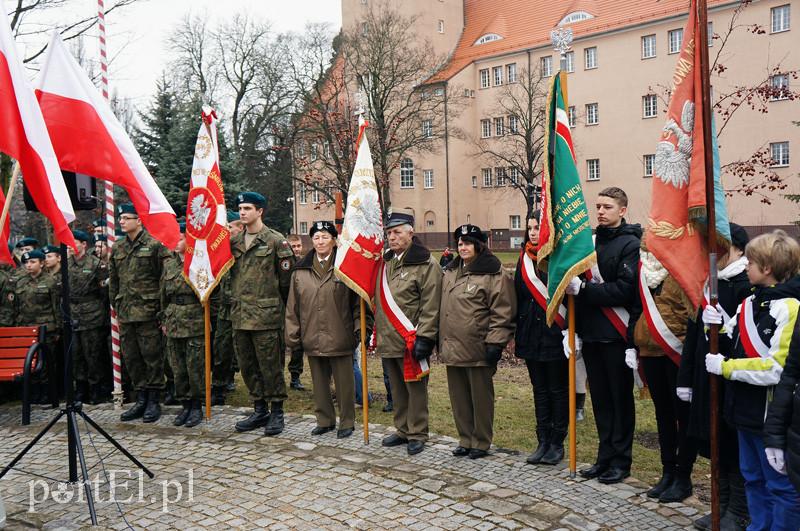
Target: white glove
column 565, row 342
column 714, row 363
column 574, row 286
column 775, row 459
column 712, row 315
column 630, row 358
column 684, row 393
column 358, row 352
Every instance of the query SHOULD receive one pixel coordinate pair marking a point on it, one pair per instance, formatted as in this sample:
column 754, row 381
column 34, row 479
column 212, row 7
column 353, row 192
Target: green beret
column 24, row 242
column 101, row 238
column 83, row 236
column 47, row 249
column 36, row 253
column 182, row 227
column 254, row 198
column 233, row 216
column 126, row 208
column 98, row 223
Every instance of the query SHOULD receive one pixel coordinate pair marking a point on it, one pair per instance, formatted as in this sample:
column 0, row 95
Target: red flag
column 360, row 250
column 208, row 242
column 25, row 139
column 89, row 139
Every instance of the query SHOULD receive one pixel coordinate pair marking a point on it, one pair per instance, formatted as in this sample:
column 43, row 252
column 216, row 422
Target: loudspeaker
column 82, row 191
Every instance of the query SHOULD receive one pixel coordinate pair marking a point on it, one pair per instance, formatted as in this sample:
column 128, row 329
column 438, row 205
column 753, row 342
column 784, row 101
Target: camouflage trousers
column 187, row 358
column 142, row 354
column 222, row 370
column 89, row 356
column 260, row 354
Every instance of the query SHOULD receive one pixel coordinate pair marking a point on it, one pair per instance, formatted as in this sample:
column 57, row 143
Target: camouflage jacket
column 8, row 279
column 224, row 291
column 260, row 280
column 181, row 312
column 37, row 302
column 134, row 275
column 88, row 292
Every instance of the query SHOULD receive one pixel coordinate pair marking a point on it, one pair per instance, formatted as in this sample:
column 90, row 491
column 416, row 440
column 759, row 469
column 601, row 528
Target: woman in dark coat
column 541, row 348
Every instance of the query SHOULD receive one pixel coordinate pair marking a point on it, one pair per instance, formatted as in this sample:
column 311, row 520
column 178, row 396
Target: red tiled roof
column 527, row 23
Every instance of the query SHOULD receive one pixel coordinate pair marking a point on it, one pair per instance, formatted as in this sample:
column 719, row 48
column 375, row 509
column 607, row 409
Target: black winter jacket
column 533, row 339
column 618, row 262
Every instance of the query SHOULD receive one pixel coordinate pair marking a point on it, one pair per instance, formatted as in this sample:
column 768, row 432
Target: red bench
column 22, row 353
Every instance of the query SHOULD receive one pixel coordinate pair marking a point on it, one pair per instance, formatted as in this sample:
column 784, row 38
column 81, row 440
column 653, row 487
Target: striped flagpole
column 109, row 211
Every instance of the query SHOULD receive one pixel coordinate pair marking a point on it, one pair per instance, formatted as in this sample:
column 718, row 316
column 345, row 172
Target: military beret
column 739, row 237
column 24, row 242
column 83, row 236
column 254, row 198
column 326, row 226
column 399, row 218
column 126, row 208
column 182, row 227
column 468, row 232
column 47, row 249
column 101, row 238
column 233, row 216
column 36, row 253
column 98, row 223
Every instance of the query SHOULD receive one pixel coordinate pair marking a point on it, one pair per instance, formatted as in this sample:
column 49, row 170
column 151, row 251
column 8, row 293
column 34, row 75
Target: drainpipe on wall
column 447, row 163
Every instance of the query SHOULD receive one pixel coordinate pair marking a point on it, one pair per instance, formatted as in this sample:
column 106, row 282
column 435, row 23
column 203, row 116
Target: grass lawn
column 514, row 424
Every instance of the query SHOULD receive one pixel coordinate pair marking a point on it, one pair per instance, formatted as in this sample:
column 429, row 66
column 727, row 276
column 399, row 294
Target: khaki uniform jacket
column 416, row 284
column 88, row 291
column 478, row 307
column 182, row 314
column 674, row 307
column 323, row 315
column 134, row 274
column 260, row 280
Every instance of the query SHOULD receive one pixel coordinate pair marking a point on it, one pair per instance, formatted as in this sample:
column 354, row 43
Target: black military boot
column 137, row 410
column 180, row 420
column 153, row 411
column 218, row 395
column 555, row 453
column 169, row 398
column 81, row 391
column 275, row 424
column 196, row 415
column 679, row 489
column 295, row 382
column 257, row 419
column 667, row 477
column 544, row 444
column 97, row 395
column 736, row 516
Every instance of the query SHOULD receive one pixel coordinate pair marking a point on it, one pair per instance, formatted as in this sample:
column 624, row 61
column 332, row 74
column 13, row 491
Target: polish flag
column 89, row 139
column 24, row 138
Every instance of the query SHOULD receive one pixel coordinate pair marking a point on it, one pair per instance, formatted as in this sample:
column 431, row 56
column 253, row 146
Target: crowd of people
column 633, row 322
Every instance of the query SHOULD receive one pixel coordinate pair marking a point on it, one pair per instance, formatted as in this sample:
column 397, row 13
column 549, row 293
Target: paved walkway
column 211, row 477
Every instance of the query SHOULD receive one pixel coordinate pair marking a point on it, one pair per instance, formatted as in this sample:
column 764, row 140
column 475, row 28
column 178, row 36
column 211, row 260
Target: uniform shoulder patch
column 286, row 264
column 10, row 297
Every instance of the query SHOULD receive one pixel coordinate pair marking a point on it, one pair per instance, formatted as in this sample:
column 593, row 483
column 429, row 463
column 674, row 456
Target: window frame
column 497, row 76
column 785, row 85
column 511, row 73
column 646, row 38
column 513, row 124
column 440, row 26
column 499, row 126
column 670, row 41
column 649, row 159
column 569, row 59
column 425, row 175
column 486, row 173
column 586, row 54
column 302, row 193
column 596, row 108
column 484, row 82
column 785, row 152
column 486, row 128
column 500, row 177
column 404, row 174
column 514, row 222
column 589, row 170
column 788, row 18
column 651, row 99
column 427, row 128
column 303, row 227
column 548, row 60
column 572, row 116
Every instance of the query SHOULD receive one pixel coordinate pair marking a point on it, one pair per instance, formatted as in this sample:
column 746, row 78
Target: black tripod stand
column 73, row 409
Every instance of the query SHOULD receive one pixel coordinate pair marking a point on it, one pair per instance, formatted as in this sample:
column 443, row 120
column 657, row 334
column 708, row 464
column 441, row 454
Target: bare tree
column 195, row 64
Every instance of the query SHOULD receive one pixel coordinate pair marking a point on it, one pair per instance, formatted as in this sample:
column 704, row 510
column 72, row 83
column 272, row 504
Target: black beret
column 24, row 242
column 47, row 249
column 327, row 226
column 739, row 237
column 470, row 232
column 36, row 253
column 126, row 208
column 254, row 198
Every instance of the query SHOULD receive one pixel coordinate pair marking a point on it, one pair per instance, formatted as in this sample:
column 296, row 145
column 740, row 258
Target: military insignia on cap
column 320, row 225
column 241, row 198
column 285, row 265
column 464, row 229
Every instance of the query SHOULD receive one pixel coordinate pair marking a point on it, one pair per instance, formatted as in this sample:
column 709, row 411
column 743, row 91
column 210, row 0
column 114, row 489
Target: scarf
column 530, row 250
column 733, row 269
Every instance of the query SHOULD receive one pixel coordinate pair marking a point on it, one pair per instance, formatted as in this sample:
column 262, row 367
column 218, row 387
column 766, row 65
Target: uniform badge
column 470, row 288
column 464, row 229
column 10, row 297
column 320, row 225
column 403, row 274
column 285, row 265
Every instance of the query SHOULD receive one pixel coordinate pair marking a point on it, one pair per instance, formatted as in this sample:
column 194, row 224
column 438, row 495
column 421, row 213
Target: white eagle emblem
column 673, row 160
column 200, row 212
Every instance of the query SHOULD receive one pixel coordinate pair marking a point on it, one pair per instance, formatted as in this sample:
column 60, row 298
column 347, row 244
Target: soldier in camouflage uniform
column 52, row 261
column 134, row 275
column 260, row 281
column 8, row 278
column 182, row 322
column 88, row 287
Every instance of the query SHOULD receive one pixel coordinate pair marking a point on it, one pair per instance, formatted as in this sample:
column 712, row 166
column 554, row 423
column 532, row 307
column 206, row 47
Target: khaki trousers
column 410, row 402
column 341, row 368
column 472, row 399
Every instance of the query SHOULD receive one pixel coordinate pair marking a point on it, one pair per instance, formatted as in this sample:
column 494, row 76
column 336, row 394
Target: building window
column 513, row 222
column 484, row 78
column 489, row 37
column 779, row 151
column 674, row 40
column 649, row 162
column 569, row 58
column 497, row 74
column 648, row 46
column 592, row 114
column 304, row 227
column 302, row 193
column 649, row 106
column 487, row 177
column 513, row 124
column 780, row 87
column 407, row 173
column 547, row 66
column 438, row 91
column 572, row 115
column 500, row 176
column 441, row 26
column 590, row 58
column 499, row 126
column 593, row 170
column 710, row 34
column 427, row 128
column 780, row 18
column 486, row 128
column 326, row 150
column 364, row 29
column 474, row 181
column 427, row 179
column 429, row 222
column 513, row 175
column 316, row 196
column 511, row 73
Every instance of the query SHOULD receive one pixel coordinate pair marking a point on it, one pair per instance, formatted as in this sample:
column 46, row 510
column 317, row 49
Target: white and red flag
column 208, row 242
column 89, row 139
column 360, row 251
column 24, row 138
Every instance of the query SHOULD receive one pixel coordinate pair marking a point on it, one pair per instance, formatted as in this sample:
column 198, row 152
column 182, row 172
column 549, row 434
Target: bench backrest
column 14, row 345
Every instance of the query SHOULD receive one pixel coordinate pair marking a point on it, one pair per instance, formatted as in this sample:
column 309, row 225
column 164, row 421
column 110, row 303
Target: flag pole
column 9, row 194
column 364, row 382
column 207, row 342
column 713, row 336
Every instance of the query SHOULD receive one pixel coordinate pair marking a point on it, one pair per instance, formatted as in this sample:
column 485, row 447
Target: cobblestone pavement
column 298, row 481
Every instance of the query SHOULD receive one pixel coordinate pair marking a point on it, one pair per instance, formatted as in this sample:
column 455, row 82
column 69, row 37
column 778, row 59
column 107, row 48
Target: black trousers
column 672, row 414
column 611, row 388
column 550, row 380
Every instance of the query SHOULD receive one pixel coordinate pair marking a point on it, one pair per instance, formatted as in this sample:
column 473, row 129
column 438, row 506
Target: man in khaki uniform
column 260, row 280
column 415, row 281
column 296, row 356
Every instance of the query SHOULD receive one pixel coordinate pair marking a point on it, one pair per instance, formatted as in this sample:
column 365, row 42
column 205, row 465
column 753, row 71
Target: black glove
column 423, row 347
column 493, row 353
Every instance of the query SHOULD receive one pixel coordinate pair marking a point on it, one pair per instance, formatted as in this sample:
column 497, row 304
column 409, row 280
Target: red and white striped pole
column 109, row 212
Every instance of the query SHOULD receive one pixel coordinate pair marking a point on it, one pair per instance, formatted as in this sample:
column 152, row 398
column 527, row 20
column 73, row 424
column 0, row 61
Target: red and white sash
column 753, row 345
column 413, row 370
column 669, row 342
column 618, row 315
column 538, row 290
